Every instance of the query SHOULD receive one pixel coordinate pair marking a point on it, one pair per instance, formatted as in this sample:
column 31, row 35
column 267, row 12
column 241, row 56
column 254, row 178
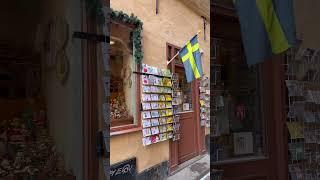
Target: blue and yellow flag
column 191, row 58
column 267, row 27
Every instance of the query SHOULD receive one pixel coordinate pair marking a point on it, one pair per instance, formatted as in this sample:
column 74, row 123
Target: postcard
column 146, row 123
column 155, row 122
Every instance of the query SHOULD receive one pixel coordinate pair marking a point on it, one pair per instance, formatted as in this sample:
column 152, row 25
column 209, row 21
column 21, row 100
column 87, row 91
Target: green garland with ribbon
column 135, row 36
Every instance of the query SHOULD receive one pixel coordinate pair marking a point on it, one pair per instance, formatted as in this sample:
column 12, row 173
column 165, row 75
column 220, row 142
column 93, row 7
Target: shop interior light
column 112, row 42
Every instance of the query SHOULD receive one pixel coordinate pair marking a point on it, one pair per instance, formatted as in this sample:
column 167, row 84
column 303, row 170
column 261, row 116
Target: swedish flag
column 267, row 27
column 191, row 58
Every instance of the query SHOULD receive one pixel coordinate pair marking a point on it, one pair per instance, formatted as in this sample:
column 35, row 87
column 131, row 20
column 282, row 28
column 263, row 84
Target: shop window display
column 123, row 83
column 238, row 117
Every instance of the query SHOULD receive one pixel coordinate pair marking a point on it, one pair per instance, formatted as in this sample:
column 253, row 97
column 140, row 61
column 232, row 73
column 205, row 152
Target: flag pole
column 168, row 62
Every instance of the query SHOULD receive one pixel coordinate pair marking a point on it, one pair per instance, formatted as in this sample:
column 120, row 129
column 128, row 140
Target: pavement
column 195, row 169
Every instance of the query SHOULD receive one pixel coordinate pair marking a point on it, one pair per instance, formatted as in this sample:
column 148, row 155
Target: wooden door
column 191, row 141
column 187, row 143
column 271, row 163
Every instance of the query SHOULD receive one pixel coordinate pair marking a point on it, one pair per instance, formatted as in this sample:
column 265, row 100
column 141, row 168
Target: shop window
column 123, row 82
column 238, row 125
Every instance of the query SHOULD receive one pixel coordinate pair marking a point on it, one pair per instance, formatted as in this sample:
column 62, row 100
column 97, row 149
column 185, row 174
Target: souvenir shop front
column 266, row 121
column 41, row 117
column 158, row 120
column 248, row 122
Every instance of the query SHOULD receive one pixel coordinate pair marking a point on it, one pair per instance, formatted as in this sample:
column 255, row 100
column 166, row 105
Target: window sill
column 239, row 160
column 124, row 130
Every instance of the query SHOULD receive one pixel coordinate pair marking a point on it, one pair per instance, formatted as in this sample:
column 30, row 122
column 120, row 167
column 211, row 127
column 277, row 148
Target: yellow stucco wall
column 175, row 24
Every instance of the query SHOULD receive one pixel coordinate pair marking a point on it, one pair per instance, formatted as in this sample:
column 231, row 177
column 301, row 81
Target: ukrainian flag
column 267, row 27
column 191, row 58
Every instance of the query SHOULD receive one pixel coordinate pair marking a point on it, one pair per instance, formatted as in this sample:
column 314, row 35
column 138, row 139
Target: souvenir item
column 169, row 112
column 162, row 105
column 146, row 123
column 154, row 97
column 146, row 132
column 146, row 106
column 145, row 80
column 146, row 97
column 295, row 130
column 144, row 68
column 157, row 81
column 163, row 137
column 166, row 82
column 168, row 97
column 169, row 127
column 176, row 126
column 162, row 113
column 169, row 120
column 146, row 141
column 154, row 105
column 155, row 122
column 168, row 105
column 146, row 114
column 162, row 121
column 162, row 97
column 155, row 130
column 162, row 129
column 146, row 89
column 154, row 114
column 155, row 139
column 170, row 135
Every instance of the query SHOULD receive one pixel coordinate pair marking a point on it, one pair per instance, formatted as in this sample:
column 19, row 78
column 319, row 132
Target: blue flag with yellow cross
column 267, row 27
column 191, row 58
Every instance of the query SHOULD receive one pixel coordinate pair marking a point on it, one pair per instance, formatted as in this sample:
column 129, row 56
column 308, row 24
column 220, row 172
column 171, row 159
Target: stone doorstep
column 193, row 165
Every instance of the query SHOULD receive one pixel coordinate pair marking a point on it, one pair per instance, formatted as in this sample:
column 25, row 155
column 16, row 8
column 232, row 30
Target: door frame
column 200, row 131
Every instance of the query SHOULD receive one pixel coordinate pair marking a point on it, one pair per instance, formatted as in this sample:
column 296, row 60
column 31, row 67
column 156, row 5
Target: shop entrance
column 191, row 140
column 248, row 120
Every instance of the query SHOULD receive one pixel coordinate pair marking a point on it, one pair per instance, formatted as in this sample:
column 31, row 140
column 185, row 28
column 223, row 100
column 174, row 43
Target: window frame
column 136, row 126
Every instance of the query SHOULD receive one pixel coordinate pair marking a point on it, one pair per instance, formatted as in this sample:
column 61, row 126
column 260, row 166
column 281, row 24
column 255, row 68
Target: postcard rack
column 158, row 120
column 303, row 113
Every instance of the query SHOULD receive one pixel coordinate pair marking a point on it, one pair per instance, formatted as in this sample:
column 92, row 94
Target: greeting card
column 146, row 97
column 154, row 105
column 169, row 127
column 168, row 97
column 145, row 80
column 155, row 139
column 168, row 105
column 151, row 79
column 169, row 120
column 295, row 130
column 157, row 81
column 146, row 132
column 163, row 137
column 166, row 82
column 145, row 68
column 162, row 113
column 162, row 105
column 154, row 97
column 155, row 122
column 162, row 129
column 154, row 114
column 155, row 130
column 146, row 123
column 146, row 106
column 176, row 118
column 170, row 135
column 169, row 112
column 176, row 126
column 146, row 141
column 146, row 89
column 162, row 98
column 146, row 114
column 162, row 121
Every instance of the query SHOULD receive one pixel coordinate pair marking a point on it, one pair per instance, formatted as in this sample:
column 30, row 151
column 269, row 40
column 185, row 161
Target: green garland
column 135, row 36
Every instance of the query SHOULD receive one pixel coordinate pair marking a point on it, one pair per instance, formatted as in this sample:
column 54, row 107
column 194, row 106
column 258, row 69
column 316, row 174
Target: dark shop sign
column 125, row 170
